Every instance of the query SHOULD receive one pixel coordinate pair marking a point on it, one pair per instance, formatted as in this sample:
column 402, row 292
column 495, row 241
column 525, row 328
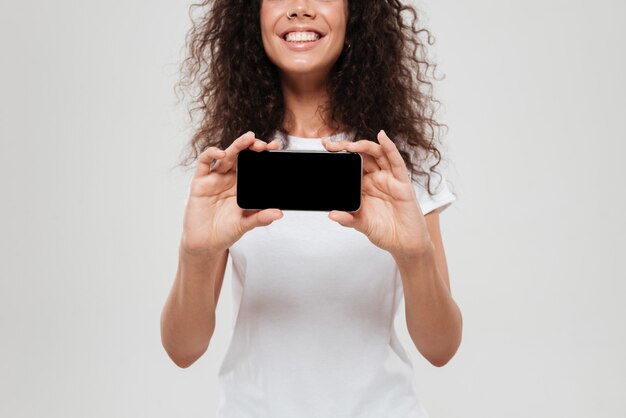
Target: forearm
column 433, row 318
column 188, row 317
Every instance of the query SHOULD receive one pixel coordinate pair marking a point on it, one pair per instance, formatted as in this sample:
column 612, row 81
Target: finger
column 369, row 163
column 373, row 149
column 205, row 159
column 239, row 144
column 346, row 219
column 398, row 168
column 275, row 144
column 259, row 218
column 225, row 185
column 334, row 146
column 258, row 145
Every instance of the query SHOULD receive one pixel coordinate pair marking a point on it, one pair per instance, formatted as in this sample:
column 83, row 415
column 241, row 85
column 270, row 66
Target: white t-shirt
column 314, row 311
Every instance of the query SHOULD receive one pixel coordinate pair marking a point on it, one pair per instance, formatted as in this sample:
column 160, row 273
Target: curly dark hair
column 380, row 82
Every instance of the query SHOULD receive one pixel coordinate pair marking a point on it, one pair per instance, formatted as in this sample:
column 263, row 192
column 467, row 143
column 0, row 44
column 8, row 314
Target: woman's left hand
column 390, row 215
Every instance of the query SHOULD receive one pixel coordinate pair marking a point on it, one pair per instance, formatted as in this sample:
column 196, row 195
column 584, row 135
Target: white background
column 92, row 207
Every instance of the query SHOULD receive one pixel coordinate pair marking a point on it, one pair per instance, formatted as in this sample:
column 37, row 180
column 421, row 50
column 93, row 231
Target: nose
column 300, row 8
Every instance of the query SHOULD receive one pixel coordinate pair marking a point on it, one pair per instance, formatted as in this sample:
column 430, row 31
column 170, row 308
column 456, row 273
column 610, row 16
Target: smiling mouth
column 302, row 45
column 299, row 39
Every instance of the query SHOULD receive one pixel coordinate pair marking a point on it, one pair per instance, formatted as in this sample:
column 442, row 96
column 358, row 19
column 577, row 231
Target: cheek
column 336, row 18
column 263, row 19
column 267, row 17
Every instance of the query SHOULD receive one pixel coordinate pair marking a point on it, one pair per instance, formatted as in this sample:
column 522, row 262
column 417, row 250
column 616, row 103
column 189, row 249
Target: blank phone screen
column 299, row 180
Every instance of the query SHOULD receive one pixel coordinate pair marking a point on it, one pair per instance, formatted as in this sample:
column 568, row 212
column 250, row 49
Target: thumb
column 344, row 218
column 260, row 218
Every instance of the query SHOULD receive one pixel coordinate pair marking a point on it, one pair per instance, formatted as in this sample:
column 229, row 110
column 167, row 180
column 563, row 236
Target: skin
column 304, row 74
column 390, row 215
column 391, row 218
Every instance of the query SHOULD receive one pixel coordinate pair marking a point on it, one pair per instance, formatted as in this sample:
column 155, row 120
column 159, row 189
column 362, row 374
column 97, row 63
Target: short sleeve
column 442, row 197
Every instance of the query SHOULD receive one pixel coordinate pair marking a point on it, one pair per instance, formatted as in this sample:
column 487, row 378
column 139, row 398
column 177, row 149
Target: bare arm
column 188, row 317
column 433, row 318
column 212, row 223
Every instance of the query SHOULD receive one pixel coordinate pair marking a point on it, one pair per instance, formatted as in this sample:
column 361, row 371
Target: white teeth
column 302, row 36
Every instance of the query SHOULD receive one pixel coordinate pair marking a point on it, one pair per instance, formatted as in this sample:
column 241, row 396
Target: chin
column 300, row 68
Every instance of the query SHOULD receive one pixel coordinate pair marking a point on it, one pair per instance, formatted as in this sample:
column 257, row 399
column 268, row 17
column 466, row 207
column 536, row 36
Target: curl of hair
column 380, row 82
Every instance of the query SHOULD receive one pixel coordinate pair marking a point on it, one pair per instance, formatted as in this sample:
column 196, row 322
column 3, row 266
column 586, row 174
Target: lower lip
column 302, row 46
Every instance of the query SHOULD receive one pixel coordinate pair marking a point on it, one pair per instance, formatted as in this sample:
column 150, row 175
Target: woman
column 316, row 293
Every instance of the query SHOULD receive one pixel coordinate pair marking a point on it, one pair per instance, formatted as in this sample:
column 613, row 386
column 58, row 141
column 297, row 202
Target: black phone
column 299, row 180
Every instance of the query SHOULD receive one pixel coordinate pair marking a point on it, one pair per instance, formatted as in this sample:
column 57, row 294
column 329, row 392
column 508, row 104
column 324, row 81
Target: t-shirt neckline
column 340, row 135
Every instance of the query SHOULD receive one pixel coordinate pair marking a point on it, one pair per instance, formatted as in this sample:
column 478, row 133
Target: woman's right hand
column 213, row 221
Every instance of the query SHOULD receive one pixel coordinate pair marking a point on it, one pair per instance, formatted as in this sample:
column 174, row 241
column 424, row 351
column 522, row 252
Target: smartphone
column 299, row 180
